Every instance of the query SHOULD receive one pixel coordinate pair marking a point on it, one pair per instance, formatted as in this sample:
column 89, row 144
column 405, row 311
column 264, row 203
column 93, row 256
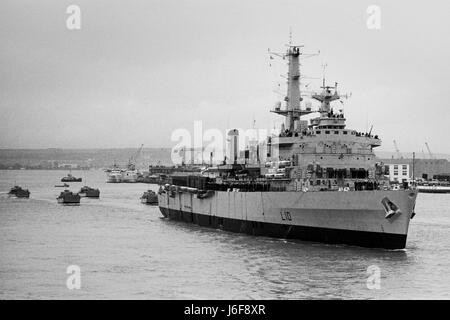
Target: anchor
column 390, row 208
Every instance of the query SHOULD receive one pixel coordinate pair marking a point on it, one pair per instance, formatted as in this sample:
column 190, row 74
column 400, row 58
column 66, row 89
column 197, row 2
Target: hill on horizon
column 101, row 158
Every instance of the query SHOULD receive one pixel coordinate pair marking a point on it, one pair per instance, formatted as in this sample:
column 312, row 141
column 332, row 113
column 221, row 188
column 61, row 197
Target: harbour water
column 125, row 250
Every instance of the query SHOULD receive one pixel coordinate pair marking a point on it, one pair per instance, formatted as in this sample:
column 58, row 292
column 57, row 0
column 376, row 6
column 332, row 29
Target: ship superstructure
column 321, row 181
column 322, row 153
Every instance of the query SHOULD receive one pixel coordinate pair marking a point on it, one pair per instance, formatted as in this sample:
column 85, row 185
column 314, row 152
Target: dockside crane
column 397, row 150
column 429, row 151
column 132, row 162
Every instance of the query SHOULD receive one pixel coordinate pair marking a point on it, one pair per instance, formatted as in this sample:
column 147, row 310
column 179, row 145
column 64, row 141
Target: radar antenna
column 290, row 36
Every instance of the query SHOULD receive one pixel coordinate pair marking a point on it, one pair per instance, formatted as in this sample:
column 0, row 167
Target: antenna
column 367, row 120
column 324, row 66
column 290, row 36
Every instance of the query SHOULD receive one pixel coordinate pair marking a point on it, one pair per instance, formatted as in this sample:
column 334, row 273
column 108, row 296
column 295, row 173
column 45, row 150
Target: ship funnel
column 233, row 146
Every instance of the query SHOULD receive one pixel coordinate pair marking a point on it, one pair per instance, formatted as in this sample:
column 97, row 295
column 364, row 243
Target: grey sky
column 137, row 70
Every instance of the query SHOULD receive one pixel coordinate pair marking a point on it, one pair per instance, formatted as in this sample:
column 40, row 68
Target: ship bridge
column 332, row 121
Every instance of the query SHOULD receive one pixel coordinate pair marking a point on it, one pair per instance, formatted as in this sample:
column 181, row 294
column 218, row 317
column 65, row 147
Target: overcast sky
column 138, row 70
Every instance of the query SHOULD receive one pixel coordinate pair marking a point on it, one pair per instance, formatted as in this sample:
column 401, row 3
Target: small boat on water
column 65, row 185
column 69, row 198
column 19, row 192
column 149, row 197
column 89, row 192
column 70, row 178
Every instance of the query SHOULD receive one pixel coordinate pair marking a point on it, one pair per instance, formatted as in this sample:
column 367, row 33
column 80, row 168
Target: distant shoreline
column 84, row 159
column 379, row 154
column 78, row 159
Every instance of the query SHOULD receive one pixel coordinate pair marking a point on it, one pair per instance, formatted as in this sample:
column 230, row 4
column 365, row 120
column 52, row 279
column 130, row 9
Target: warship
column 320, row 181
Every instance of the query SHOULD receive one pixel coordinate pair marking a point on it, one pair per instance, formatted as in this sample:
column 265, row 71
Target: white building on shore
column 399, row 172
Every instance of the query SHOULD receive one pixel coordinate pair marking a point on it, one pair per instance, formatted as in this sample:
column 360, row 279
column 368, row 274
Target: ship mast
column 293, row 91
column 292, row 111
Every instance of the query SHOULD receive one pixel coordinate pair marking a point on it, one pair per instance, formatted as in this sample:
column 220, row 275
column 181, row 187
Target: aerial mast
column 292, row 110
column 293, row 96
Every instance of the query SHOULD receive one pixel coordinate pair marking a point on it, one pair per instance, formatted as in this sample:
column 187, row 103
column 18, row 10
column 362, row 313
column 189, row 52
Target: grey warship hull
column 352, row 218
